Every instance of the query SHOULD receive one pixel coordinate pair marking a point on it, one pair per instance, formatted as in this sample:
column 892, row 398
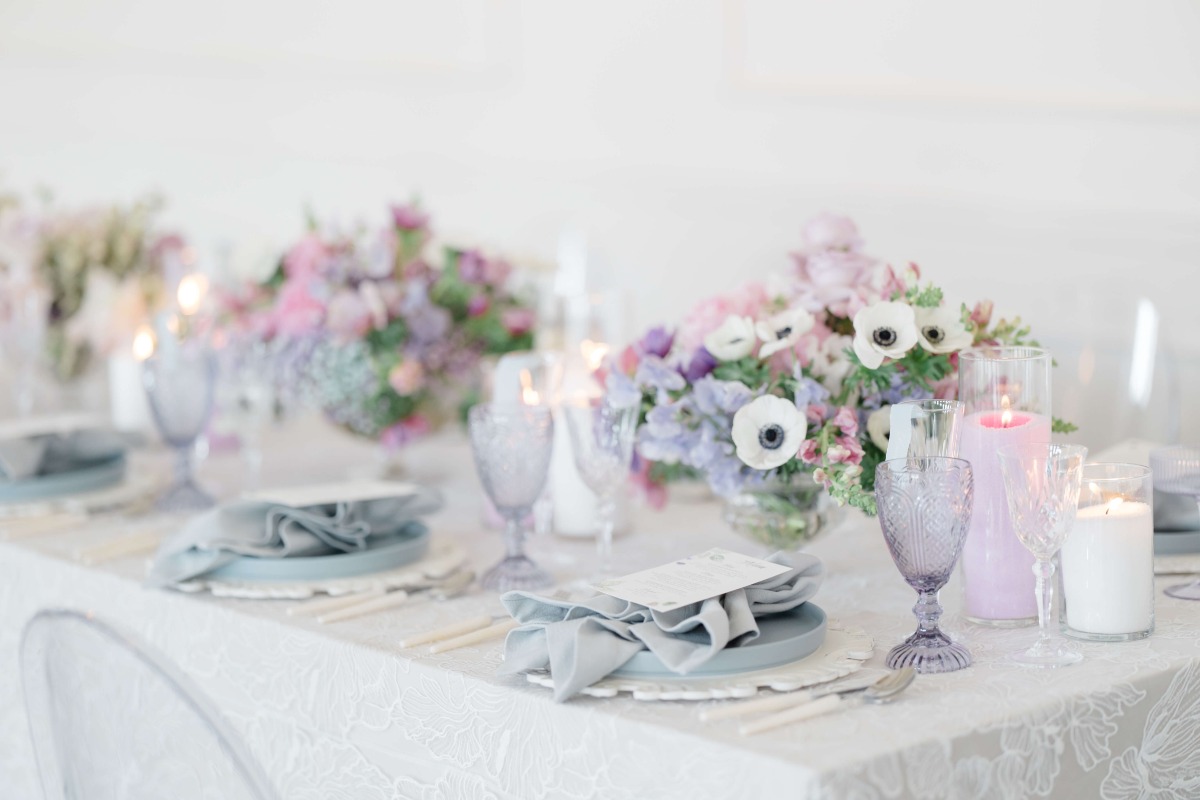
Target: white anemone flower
column 768, row 432
column 783, row 330
column 887, row 329
column 941, row 330
column 733, row 340
column 879, row 426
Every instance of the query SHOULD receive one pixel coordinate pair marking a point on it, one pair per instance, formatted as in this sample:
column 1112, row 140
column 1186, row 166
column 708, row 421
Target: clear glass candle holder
column 1107, row 564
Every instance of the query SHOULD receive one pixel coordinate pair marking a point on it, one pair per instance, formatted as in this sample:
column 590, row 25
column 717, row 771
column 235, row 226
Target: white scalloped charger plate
column 842, row 653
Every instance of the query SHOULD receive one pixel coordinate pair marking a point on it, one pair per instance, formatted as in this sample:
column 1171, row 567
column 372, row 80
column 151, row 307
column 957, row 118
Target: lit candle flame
column 593, row 353
column 1114, row 504
column 1006, row 414
column 190, row 294
column 143, row 343
column 529, row 395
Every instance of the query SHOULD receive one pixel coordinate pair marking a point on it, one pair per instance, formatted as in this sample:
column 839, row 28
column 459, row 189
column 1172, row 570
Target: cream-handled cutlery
column 142, row 541
column 775, row 702
column 494, row 629
column 453, row 586
column 882, row 691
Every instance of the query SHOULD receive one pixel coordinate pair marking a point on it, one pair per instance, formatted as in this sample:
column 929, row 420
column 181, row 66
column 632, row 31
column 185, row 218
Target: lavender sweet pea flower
column 621, row 390
column 713, row 396
column 657, row 342
column 809, row 391
column 702, row 363
column 658, row 375
column 428, row 323
column 725, row 476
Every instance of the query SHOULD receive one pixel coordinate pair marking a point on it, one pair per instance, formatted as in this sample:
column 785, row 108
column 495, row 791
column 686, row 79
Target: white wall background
column 1046, row 155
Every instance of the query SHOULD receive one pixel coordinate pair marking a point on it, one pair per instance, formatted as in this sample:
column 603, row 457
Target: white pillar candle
column 1108, row 569
column 127, row 402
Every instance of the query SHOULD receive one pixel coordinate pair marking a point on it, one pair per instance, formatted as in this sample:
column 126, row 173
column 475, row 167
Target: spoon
column 882, row 691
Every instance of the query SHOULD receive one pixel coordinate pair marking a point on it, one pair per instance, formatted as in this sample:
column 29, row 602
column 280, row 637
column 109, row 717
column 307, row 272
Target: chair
column 111, row 719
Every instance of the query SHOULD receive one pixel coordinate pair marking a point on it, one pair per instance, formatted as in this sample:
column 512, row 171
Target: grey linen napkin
column 581, row 642
column 273, row 530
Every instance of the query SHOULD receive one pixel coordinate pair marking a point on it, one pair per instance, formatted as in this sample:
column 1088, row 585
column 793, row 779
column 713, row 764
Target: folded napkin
column 1174, row 513
column 23, row 457
column 274, row 530
column 581, row 642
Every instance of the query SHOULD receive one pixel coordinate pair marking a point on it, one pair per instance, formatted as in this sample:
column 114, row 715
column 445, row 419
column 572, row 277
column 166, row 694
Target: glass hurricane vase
column 782, row 514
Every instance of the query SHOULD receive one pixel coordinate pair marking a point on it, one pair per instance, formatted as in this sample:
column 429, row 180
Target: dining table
column 342, row 710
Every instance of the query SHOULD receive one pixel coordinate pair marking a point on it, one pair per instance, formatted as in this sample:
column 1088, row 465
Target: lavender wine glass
column 1176, row 470
column 925, row 511
column 180, row 380
column 512, row 447
column 1041, row 481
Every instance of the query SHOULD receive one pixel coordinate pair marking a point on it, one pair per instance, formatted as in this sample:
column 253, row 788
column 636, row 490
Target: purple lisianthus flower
column 409, row 217
column 657, row 342
column 659, row 375
column 702, row 363
column 472, row 267
column 720, row 397
column 427, row 323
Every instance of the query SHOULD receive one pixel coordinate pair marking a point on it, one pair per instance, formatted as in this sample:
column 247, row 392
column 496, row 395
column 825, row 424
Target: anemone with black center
column 783, row 333
column 934, row 334
column 771, row 436
column 884, row 337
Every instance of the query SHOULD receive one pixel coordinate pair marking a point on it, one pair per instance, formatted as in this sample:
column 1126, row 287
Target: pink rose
column 348, row 316
column 407, row 377
column 840, row 281
column 517, row 321
column 847, row 420
column 306, row 258
column 844, row 450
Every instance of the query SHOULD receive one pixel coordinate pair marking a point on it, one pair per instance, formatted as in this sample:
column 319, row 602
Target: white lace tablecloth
column 340, row 712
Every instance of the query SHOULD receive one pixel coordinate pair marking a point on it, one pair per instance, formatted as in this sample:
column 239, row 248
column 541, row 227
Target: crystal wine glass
column 23, row 315
column 1176, row 470
column 512, row 447
column 602, row 437
column 1042, row 481
column 180, row 380
column 925, row 511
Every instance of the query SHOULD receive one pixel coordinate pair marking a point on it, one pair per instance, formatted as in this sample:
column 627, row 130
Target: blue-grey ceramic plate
column 1176, row 543
column 99, row 474
column 783, row 638
column 383, row 552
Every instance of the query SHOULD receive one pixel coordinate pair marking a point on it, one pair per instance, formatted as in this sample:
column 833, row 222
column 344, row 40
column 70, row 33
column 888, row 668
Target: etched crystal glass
column 925, row 511
column 1176, row 470
column 602, row 443
column 180, row 380
column 1042, row 482
column 512, row 447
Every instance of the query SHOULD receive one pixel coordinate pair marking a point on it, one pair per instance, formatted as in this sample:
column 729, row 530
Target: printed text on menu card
column 690, row 580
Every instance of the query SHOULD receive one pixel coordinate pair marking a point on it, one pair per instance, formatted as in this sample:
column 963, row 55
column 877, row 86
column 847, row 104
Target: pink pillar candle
column 997, row 569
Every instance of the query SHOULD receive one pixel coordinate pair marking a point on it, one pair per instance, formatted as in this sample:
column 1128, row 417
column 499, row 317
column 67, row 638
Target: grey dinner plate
column 383, row 552
column 100, row 474
column 783, row 638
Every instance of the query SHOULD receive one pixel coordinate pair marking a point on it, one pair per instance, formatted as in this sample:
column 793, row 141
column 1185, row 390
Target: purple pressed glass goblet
column 925, row 510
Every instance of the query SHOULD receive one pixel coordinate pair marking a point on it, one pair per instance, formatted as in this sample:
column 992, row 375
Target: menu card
column 690, row 580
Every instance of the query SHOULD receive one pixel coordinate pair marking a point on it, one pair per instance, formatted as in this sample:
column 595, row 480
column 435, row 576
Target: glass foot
column 1184, row 591
column 1047, row 654
column 516, row 572
column 184, row 497
column 929, row 653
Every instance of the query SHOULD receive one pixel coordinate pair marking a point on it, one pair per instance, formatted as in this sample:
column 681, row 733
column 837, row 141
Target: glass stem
column 928, row 611
column 606, row 512
column 183, row 465
column 1043, row 570
column 514, row 537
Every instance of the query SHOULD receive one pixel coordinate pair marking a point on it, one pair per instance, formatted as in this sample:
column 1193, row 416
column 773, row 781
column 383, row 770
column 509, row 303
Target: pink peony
column 306, row 258
column 831, row 232
column 407, row 377
column 748, row 300
column 297, row 310
column 840, row 281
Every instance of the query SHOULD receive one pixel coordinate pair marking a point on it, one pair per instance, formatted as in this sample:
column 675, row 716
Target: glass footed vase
column 782, row 514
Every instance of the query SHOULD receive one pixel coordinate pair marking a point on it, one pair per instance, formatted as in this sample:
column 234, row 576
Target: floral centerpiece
column 390, row 328
column 790, row 381
column 102, row 268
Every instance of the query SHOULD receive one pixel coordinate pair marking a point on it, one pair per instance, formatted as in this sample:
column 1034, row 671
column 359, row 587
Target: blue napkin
column 272, row 530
